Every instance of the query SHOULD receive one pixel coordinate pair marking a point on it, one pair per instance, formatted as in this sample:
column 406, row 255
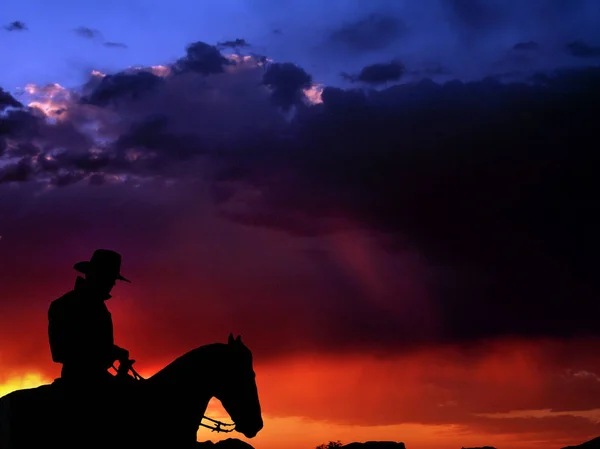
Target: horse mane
column 191, row 357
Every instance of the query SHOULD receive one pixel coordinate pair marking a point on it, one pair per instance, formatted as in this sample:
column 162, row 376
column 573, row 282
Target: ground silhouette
column 375, row 445
column 591, row 444
column 124, row 410
column 229, row 443
column 365, row 445
column 330, row 445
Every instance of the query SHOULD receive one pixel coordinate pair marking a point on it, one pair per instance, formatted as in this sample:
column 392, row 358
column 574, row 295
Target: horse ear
column 230, row 339
column 239, row 339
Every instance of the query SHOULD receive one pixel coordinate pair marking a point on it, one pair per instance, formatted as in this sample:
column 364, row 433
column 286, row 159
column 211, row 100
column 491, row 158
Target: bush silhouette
column 330, row 445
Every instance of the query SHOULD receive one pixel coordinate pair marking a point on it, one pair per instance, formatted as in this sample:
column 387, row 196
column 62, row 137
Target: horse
column 164, row 410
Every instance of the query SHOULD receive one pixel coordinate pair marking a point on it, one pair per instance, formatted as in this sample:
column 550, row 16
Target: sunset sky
column 410, row 258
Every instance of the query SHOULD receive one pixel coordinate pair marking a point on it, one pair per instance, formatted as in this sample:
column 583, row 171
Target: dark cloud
column 287, row 82
column 19, row 123
column 122, row 85
column 25, row 149
column 202, row 58
column 583, row 50
column 374, row 32
column 65, row 179
column 488, row 185
column 88, row 33
column 17, row 25
column 18, row 172
column 153, row 135
column 115, row 45
column 7, row 100
column 468, row 38
column 494, row 182
column 237, row 43
column 261, row 60
column 479, row 15
column 84, row 161
column 526, row 46
column 380, row 73
column 485, row 23
column 92, row 34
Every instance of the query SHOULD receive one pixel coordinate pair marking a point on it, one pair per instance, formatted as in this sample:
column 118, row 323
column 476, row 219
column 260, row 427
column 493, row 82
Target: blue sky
column 468, row 41
column 154, row 31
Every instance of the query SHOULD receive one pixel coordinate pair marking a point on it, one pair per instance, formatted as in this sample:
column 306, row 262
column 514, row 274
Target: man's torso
column 80, row 330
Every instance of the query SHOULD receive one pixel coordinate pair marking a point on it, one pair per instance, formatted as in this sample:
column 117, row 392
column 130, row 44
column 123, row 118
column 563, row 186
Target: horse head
column 236, row 388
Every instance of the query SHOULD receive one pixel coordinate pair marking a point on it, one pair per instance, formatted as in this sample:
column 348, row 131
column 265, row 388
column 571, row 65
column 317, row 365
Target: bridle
column 218, row 426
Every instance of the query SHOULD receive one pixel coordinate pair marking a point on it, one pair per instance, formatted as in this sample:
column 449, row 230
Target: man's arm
column 120, row 353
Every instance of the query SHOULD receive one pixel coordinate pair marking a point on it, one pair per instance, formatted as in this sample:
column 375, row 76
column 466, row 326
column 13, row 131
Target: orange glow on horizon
column 297, row 432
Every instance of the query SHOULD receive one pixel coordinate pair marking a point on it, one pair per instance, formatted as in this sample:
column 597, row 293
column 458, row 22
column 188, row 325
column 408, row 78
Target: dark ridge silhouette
column 122, row 410
column 375, row 445
column 330, row 445
column 365, row 445
column 229, row 443
column 482, row 447
column 591, row 444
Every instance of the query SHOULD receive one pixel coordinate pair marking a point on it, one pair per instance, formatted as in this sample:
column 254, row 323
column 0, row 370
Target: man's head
column 102, row 270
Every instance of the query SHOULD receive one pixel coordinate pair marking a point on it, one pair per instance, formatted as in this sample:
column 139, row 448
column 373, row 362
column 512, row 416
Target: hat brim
column 83, row 267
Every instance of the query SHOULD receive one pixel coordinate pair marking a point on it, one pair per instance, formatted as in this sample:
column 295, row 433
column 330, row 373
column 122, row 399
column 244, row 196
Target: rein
column 219, row 425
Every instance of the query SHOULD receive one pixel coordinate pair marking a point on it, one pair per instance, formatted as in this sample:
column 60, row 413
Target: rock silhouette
column 481, row 447
column 234, row 443
column 229, row 443
column 591, row 444
column 375, row 445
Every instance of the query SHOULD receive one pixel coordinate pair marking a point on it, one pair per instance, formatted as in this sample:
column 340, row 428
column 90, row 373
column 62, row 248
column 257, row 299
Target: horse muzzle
column 250, row 431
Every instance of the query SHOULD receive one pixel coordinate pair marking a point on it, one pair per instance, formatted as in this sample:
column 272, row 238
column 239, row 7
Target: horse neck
column 194, row 374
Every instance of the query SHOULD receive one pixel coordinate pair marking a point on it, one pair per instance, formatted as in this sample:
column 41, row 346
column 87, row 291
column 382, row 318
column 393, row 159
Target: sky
column 393, row 202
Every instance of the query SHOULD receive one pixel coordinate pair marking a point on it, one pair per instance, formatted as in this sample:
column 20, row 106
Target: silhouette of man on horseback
column 164, row 410
column 80, row 327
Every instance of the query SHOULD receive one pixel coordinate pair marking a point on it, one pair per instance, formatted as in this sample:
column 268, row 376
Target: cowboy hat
column 103, row 261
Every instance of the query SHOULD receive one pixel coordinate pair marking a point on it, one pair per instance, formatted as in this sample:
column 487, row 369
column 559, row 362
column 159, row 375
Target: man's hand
column 122, row 355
